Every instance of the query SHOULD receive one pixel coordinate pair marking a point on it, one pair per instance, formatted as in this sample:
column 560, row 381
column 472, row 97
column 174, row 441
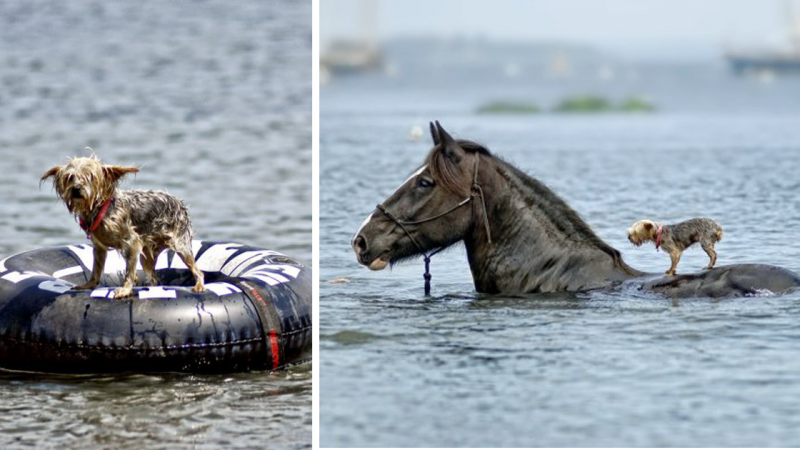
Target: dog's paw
column 198, row 289
column 123, row 292
column 670, row 273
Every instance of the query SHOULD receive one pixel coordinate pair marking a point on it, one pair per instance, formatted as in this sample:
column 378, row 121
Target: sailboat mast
column 793, row 25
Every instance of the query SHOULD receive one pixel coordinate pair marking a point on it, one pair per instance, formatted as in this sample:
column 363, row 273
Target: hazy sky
column 650, row 28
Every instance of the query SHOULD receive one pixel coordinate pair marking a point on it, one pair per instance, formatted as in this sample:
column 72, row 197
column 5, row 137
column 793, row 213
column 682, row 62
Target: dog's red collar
column 97, row 219
column 658, row 236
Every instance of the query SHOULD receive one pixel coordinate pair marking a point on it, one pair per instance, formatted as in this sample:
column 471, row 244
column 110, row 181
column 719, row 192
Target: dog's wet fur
column 678, row 237
column 138, row 223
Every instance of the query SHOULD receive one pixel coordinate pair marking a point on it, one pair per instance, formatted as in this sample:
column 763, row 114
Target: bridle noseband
column 474, row 190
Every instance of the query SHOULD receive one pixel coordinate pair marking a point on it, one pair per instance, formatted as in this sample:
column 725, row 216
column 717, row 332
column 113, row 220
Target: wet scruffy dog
column 677, row 238
column 135, row 222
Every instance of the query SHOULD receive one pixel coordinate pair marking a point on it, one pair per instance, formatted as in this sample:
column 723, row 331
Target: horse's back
column 736, row 280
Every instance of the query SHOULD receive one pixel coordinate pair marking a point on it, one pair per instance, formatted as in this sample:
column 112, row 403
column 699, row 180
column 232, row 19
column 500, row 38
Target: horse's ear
column 434, row 134
column 450, row 147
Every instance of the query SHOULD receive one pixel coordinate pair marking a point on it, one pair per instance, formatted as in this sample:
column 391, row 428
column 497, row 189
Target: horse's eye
column 424, row 183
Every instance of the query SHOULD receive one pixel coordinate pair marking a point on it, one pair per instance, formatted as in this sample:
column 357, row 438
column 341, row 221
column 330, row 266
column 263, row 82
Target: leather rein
column 475, row 190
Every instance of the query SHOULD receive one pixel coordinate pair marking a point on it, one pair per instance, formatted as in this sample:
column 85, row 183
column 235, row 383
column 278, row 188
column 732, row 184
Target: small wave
column 349, row 337
column 761, row 293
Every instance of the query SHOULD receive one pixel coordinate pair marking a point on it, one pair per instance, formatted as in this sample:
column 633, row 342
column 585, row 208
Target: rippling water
column 213, row 100
column 463, row 369
column 242, row 410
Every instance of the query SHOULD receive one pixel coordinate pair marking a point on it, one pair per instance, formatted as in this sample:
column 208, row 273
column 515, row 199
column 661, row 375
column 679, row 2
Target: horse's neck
column 537, row 246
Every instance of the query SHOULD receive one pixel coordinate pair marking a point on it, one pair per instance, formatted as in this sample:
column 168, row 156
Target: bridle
column 475, row 190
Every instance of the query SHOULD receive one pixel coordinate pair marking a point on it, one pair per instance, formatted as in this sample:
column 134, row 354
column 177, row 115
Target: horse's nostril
column 360, row 244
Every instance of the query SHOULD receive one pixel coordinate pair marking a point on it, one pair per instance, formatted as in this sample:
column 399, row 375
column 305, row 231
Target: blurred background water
column 212, row 100
column 463, row 369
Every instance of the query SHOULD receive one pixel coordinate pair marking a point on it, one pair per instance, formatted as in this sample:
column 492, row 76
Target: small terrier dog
column 135, row 222
column 677, row 238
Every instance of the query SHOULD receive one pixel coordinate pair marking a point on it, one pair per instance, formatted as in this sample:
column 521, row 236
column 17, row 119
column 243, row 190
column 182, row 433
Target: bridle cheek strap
column 476, row 190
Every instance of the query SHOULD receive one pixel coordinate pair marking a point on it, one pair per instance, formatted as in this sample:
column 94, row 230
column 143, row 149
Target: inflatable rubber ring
column 254, row 315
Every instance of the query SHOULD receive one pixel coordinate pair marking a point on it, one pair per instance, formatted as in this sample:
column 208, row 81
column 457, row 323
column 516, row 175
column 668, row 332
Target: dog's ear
column 50, row 173
column 648, row 226
column 114, row 173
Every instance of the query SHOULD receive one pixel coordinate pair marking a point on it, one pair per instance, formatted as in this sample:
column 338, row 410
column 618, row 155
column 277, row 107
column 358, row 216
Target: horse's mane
column 561, row 215
column 450, row 176
column 455, row 179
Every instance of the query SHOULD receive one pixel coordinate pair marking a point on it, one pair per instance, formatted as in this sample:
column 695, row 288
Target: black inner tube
column 258, row 319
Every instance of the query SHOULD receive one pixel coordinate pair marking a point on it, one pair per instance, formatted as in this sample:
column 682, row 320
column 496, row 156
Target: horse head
column 428, row 211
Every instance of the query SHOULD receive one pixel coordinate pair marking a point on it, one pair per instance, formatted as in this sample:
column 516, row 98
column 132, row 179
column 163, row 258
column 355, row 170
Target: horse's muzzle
column 362, row 253
column 359, row 246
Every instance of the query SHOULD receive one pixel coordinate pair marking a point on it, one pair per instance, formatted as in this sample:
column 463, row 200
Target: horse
column 520, row 236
